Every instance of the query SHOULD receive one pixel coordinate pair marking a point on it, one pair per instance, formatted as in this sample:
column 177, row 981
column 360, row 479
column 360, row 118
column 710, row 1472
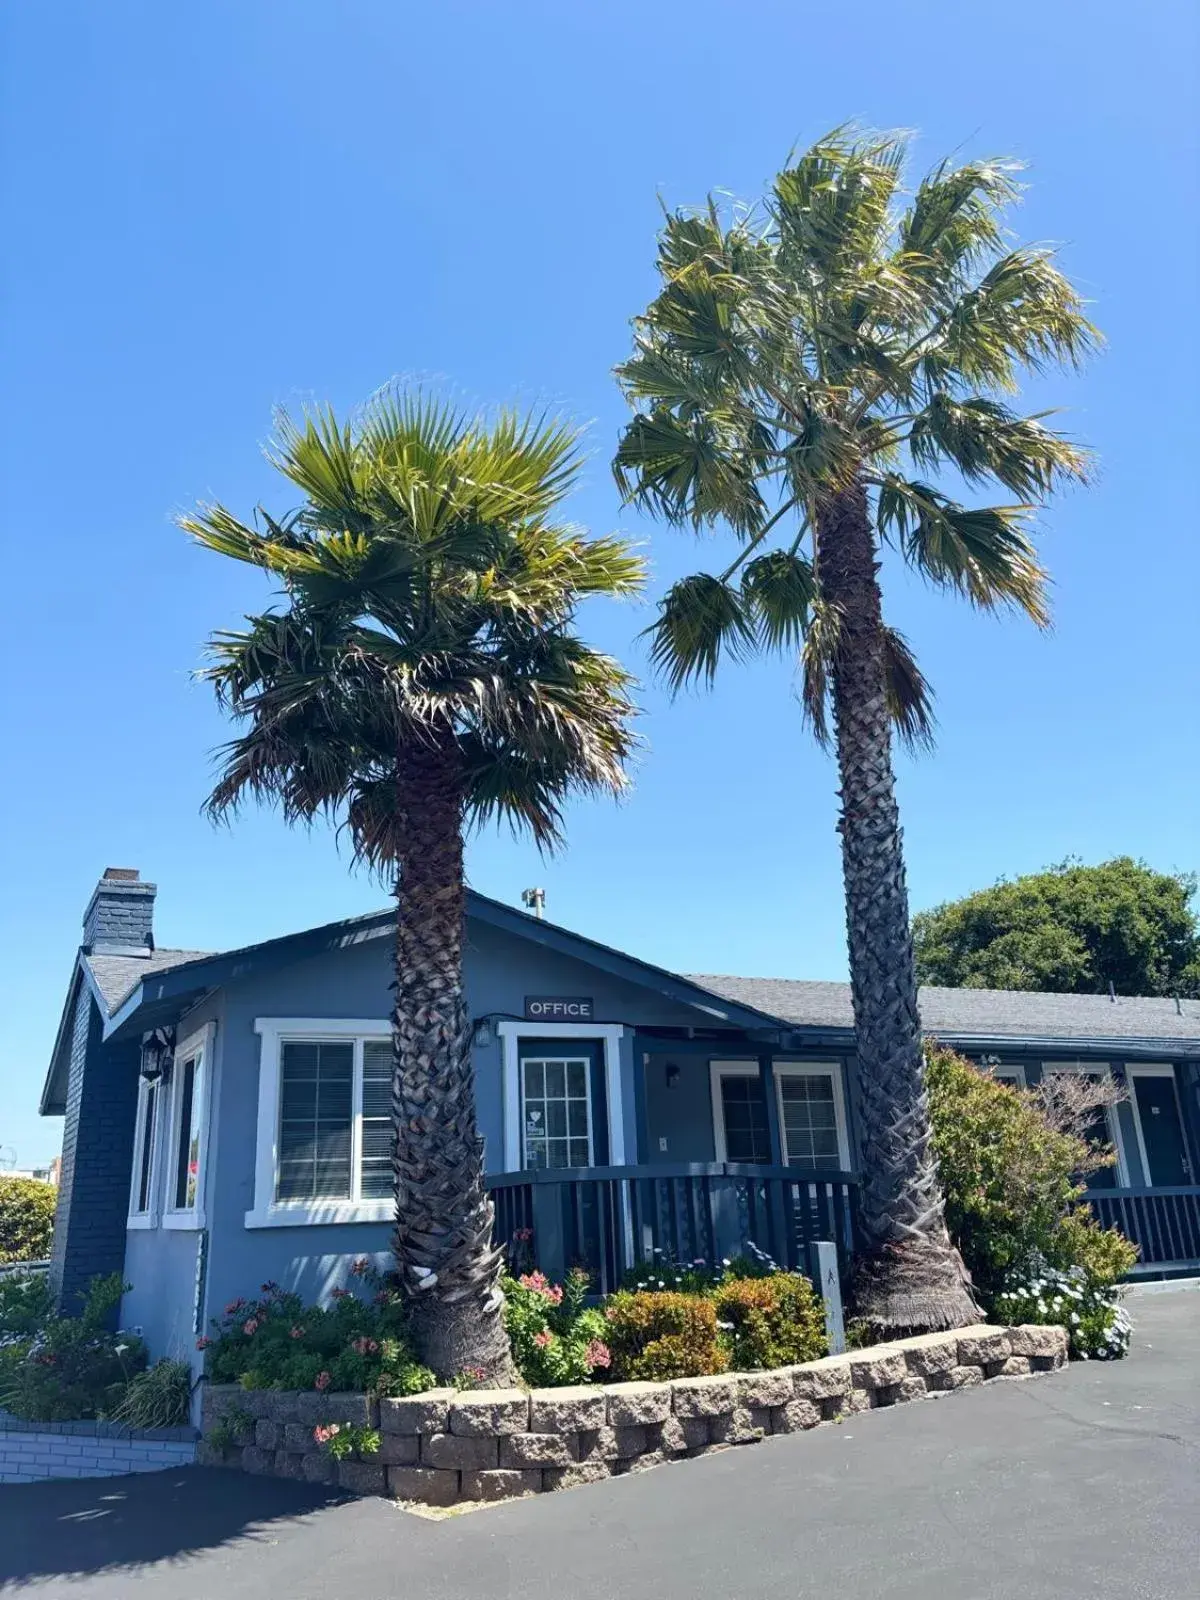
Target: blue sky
column 216, row 208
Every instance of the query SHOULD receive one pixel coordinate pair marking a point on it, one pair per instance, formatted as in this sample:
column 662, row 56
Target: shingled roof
column 117, row 977
column 975, row 1013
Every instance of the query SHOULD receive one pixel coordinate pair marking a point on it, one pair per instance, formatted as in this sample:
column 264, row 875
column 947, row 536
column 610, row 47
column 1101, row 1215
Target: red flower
column 203, row 1342
column 270, row 1287
column 360, row 1266
column 598, row 1354
column 339, row 1294
column 234, row 1306
column 296, row 1333
column 365, row 1346
column 322, row 1381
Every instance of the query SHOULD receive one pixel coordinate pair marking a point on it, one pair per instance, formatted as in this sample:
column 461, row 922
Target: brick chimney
column 119, row 920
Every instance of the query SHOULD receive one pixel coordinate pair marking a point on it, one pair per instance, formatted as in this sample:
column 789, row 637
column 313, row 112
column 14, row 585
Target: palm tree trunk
column 449, row 1270
column 909, row 1276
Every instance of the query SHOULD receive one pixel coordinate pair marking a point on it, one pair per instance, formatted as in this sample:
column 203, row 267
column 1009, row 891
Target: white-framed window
column 1108, row 1124
column 811, row 1106
column 812, row 1114
column 607, row 1035
column 143, row 1201
column 324, row 1143
column 556, row 1110
column 741, row 1132
column 186, row 1125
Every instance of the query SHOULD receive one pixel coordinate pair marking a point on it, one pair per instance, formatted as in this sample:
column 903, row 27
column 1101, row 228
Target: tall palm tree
column 421, row 674
column 805, row 364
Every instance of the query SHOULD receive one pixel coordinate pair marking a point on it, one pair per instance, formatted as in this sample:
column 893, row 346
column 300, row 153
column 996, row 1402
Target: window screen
column 316, row 1106
column 377, row 1119
column 810, row 1134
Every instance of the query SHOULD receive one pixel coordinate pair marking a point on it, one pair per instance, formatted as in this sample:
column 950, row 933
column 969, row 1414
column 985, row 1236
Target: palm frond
column 778, row 589
column 701, row 471
column 984, row 439
column 982, row 553
column 910, row 699
column 700, row 620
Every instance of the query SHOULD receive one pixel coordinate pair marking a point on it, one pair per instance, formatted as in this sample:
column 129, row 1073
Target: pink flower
column 543, row 1339
column 360, row 1266
column 339, row 1294
column 322, row 1381
column 203, row 1342
column 250, row 1328
column 323, row 1432
column 534, row 1280
column 234, row 1306
column 554, row 1294
column 382, row 1298
column 598, row 1354
column 522, row 1235
column 365, row 1346
column 476, row 1374
column 296, row 1333
column 270, row 1287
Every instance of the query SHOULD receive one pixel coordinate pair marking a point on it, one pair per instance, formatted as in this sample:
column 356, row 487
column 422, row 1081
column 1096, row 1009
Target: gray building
column 227, row 1114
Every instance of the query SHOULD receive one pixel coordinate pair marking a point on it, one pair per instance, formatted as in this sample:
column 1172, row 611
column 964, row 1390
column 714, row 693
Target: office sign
column 557, row 1008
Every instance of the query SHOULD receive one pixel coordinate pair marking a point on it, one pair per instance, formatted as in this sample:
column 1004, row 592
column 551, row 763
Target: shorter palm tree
column 422, row 675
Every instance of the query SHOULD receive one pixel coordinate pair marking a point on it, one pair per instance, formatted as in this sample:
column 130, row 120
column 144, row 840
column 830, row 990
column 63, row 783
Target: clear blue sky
column 211, row 209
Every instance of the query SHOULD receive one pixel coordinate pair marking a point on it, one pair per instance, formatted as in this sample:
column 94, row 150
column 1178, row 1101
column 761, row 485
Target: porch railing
column 608, row 1219
column 1163, row 1223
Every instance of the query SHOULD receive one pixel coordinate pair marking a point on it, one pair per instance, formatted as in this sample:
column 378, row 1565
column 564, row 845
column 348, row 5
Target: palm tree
column 422, row 674
column 805, row 364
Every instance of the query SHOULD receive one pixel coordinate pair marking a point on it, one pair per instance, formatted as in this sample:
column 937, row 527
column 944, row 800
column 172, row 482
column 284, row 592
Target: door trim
column 606, row 1034
column 1154, row 1069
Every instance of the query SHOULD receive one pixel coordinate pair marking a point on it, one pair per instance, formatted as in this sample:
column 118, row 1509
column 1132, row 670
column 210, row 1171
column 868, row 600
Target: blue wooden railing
column 1163, row 1223
column 608, row 1219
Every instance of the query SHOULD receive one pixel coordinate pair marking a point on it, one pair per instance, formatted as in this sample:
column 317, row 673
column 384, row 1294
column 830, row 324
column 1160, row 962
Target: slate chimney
column 119, row 920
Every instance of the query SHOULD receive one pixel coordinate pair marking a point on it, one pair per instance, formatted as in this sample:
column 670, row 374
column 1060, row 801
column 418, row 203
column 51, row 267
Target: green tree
column 1069, row 930
column 423, row 674
column 805, row 365
column 26, row 1219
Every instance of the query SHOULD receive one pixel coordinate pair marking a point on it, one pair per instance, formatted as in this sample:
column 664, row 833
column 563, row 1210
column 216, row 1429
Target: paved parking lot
column 1081, row 1484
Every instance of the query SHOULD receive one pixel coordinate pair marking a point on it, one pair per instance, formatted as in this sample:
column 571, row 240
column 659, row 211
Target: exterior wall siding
column 89, row 1236
column 356, row 982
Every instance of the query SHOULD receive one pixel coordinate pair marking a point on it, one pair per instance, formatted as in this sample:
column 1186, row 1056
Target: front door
column 1157, row 1107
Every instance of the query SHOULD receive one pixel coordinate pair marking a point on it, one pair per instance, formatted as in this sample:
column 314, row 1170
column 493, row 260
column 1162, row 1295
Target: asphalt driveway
column 1082, row 1484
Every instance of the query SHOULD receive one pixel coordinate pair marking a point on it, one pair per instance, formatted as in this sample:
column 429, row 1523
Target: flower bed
column 445, row 1445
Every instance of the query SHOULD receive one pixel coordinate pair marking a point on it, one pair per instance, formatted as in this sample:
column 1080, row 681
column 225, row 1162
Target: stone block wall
column 447, row 1445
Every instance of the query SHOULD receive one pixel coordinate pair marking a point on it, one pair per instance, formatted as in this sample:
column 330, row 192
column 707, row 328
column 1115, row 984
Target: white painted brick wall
column 34, row 1457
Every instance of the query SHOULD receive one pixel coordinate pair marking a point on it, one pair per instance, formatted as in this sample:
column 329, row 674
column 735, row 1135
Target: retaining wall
column 33, row 1451
column 447, row 1445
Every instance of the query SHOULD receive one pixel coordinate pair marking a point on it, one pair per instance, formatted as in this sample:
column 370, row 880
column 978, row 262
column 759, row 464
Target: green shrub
column 1009, row 1181
column 277, row 1342
column 159, row 1397
column 657, row 1335
column 26, row 1219
column 1097, row 1326
column 773, row 1321
column 555, row 1338
column 73, row 1368
column 26, row 1303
